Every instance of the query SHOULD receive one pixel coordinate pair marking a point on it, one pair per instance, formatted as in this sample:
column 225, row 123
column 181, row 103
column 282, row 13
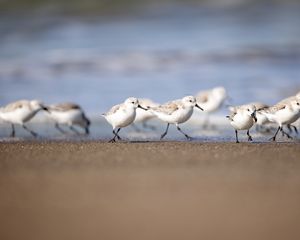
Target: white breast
column 179, row 116
column 121, row 118
column 242, row 121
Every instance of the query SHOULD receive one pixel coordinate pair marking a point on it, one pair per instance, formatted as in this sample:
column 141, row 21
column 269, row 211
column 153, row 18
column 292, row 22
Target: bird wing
column 113, row 110
column 64, row 106
column 259, row 105
column 202, row 97
column 15, row 105
column 167, row 108
column 275, row 108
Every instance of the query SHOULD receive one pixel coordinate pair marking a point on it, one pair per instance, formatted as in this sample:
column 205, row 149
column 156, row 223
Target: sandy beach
column 149, row 190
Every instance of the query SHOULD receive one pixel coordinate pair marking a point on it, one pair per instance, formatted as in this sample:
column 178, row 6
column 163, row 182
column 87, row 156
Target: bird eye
column 132, row 102
column 190, row 100
column 298, row 103
column 248, row 109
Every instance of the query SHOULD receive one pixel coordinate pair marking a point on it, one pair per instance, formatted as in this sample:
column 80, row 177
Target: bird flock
column 133, row 110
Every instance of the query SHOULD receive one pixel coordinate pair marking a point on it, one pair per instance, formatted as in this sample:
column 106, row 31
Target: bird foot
column 188, row 137
column 272, row 139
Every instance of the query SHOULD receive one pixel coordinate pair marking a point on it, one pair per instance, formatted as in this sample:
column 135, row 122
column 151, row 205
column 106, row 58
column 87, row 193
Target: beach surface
column 149, row 190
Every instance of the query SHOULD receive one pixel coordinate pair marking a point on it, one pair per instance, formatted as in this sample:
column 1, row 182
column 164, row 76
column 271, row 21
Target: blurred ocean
column 254, row 52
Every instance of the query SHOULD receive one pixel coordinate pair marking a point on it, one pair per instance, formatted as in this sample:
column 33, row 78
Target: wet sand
column 150, row 190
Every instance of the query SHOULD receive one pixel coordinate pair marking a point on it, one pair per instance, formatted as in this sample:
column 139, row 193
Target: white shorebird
column 242, row 118
column 143, row 116
column 69, row 114
column 20, row 112
column 122, row 115
column 283, row 114
column 262, row 121
column 288, row 100
column 211, row 101
column 176, row 112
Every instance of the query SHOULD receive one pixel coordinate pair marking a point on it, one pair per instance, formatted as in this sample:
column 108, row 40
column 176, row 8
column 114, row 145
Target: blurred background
column 99, row 52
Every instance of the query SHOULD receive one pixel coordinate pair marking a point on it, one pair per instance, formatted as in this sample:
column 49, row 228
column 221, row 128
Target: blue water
column 254, row 53
column 98, row 62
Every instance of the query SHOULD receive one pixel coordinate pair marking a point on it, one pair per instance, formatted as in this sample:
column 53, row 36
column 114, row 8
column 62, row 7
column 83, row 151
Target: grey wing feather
column 202, row 97
column 64, row 106
column 13, row 106
column 167, row 108
column 113, row 110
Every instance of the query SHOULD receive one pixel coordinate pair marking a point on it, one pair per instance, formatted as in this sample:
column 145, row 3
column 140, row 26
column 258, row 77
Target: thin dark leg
column 295, row 129
column 114, row 138
column 285, row 133
column 87, row 130
column 187, row 136
column 274, row 137
column 118, row 134
column 289, row 128
column 236, row 136
column 12, row 130
column 32, row 132
column 115, row 135
column 249, row 137
column 59, row 129
column 165, row 133
column 74, row 130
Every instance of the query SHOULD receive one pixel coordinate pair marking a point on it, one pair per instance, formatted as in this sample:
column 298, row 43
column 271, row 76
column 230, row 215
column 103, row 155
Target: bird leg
column 249, row 137
column 274, row 137
column 115, row 136
column 285, row 134
column 295, row 128
column 119, row 138
column 187, row 136
column 74, row 130
column 165, row 133
column 12, row 130
column 289, row 128
column 28, row 130
column 59, row 128
column 236, row 136
column 87, row 131
column 113, row 139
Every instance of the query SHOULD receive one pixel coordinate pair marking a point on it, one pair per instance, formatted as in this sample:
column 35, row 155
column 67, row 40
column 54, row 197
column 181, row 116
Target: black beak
column 139, row 106
column 254, row 116
column 199, row 107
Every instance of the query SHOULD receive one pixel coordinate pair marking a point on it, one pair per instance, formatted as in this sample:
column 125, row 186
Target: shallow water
column 98, row 62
